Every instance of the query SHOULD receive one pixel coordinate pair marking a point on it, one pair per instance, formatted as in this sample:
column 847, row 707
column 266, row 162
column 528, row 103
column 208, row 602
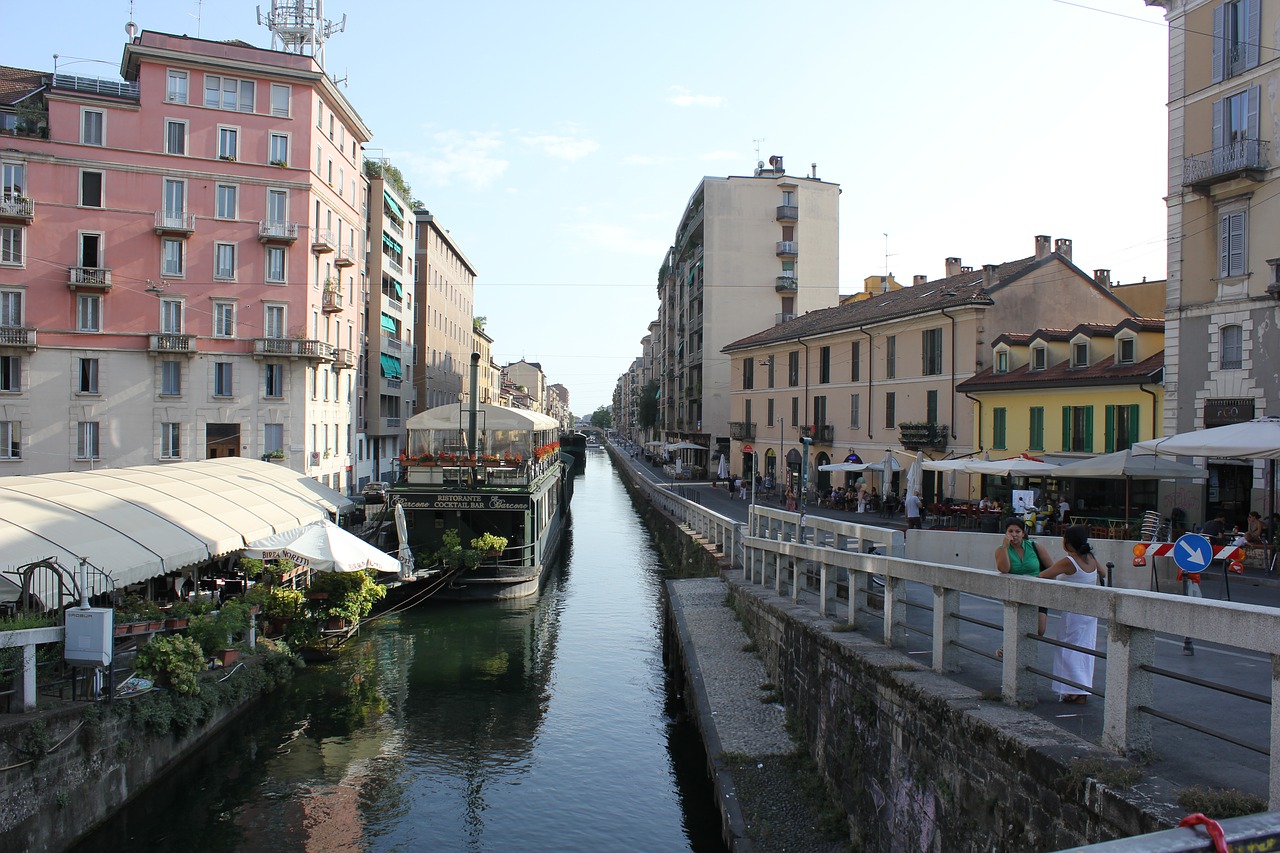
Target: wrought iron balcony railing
column 1246, row 158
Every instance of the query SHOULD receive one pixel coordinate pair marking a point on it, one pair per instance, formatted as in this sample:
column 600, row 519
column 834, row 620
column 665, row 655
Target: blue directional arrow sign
column 1192, row 552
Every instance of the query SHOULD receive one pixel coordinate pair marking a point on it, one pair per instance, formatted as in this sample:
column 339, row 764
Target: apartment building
column 528, row 382
column 490, row 376
column 445, row 286
column 750, row 252
column 1222, row 309
column 179, row 271
column 387, row 367
column 883, row 373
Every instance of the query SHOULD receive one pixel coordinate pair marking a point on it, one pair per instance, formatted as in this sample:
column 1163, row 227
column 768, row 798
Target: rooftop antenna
column 198, row 15
column 299, row 26
column 887, row 256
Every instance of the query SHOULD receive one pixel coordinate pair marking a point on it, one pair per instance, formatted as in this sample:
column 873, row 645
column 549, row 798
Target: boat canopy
column 499, row 430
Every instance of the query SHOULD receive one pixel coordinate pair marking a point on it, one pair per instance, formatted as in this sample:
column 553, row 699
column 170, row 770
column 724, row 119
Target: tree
column 648, row 413
column 602, row 418
column 381, row 169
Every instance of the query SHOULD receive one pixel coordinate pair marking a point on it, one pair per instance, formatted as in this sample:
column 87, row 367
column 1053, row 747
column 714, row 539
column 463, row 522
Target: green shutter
column 1088, row 429
column 1111, row 429
column 998, row 422
column 1134, row 432
column 1066, row 429
column 392, row 245
column 1037, row 427
column 388, row 324
column 390, row 366
column 394, row 204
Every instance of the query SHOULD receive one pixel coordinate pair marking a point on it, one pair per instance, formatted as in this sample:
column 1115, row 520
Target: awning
column 394, row 204
column 399, row 290
column 390, row 366
column 388, row 324
column 392, row 245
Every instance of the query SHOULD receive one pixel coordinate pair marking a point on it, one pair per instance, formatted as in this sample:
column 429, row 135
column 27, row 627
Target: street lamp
column 805, row 442
column 778, row 474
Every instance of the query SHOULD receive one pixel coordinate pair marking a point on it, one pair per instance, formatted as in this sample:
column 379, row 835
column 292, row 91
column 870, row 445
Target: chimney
column 1102, row 278
column 917, row 280
column 990, row 278
column 966, row 269
column 1042, row 246
column 953, row 267
column 1063, row 247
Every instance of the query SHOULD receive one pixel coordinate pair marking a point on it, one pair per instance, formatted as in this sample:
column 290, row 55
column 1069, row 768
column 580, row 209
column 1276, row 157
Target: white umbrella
column 915, row 474
column 1131, row 466
column 322, row 546
column 1018, row 466
column 951, row 465
column 723, row 471
column 685, row 445
column 402, row 533
column 1255, row 439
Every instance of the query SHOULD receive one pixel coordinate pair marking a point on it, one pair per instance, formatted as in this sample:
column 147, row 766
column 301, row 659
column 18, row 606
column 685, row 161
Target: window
column 1036, row 439
column 10, row 245
column 855, row 415
column 1077, row 429
column 170, row 443
column 795, row 411
column 793, row 368
column 1231, row 243
column 228, row 142
column 171, row 317
column 890, row 356
column 171, row 378
column 273, row 321
column 931, row 352
column 1125, row 350
column 10, row 439
column 1121, row 427
column 999, row 421
column 280, row 100
column 278, row 149
column 13, row 180
column 175, row 91
column 277, row 207
column 819, row 410
column 746, row 412
column 171, row 257
column 275, row 264
column 272, row 438
column 768, row 408
column 1232, row 344
column 824, row 366
column 748, row 374
column 890, row 410
column 91, row 189
column 227, row 93
column 87, row 440
column 89, row 312
column 1236, row 36
column 88, row 376
column 224, row 319
column 931, row 405
column 175, row 137
column 92, row 123
column 1080, row 354
column 273, row 374
column 772, row 362
column 1038, row 358
column 11, row 308
column 227, row 196
column 11, row 373
column 855, row 360
column 224, row 260
column 175, row 193
column 1002, row 361
column 222, row 375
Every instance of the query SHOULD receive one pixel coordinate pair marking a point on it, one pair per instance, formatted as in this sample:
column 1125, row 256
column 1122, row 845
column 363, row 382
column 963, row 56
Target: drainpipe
column 1154, row 412
column 953, row 372
column 871, row 386
column 801, row 342
column 978, row 437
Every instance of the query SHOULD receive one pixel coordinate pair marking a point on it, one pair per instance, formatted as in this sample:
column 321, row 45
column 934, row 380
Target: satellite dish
column 131, row 29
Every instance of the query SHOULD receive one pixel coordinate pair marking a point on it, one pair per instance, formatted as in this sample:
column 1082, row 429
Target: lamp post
column 805, row 442
column 782, row 486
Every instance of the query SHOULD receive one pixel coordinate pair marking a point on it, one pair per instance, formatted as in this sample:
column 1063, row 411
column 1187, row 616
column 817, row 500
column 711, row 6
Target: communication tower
column 299, row 26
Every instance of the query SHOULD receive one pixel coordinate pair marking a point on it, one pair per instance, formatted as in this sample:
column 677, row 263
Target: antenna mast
column 299, row 26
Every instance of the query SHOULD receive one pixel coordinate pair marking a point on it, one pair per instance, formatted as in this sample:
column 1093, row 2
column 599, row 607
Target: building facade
column 445, row 287
column 180, row 264
column 1222, row 307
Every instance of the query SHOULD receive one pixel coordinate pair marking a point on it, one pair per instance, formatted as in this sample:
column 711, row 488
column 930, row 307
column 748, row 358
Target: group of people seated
column 1257, row 533
column 859, row 499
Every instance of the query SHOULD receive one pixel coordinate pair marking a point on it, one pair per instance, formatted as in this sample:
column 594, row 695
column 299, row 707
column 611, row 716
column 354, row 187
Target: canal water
column 544, row 725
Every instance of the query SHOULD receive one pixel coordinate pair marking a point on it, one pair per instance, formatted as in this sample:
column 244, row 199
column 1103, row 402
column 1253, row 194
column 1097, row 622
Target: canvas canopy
column 324, row 547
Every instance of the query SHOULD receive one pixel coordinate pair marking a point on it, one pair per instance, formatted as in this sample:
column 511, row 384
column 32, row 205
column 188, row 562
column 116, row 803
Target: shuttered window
column 1231, row 243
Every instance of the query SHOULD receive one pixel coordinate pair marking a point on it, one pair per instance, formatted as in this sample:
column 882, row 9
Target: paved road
column 1181, row 755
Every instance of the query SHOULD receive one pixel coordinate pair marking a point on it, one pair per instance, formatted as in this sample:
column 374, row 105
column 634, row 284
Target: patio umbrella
column 402, row 532
column 1018, row 466
column 1131, row 466
column 685, row 445
column 915, row 474
column 322, row 546
column 723, row 471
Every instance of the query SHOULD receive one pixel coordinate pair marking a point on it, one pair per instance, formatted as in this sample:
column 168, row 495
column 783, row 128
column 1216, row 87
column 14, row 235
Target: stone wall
column 920, row 762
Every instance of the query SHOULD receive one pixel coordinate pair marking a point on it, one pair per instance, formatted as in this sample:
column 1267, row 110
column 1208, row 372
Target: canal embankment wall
column 916, row 761
column 65, row 769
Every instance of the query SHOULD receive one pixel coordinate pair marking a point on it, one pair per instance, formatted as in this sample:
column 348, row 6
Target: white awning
column 137, row 523
column 454, row 416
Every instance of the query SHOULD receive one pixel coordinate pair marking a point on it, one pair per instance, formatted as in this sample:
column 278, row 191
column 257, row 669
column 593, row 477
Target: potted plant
column 348, row 597
column 138, row 614
column 273, row 456
column 489, row 543
column 280, row 163
column 175, row 661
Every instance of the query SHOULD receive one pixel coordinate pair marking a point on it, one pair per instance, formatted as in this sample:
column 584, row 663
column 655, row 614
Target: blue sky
column 559, row 142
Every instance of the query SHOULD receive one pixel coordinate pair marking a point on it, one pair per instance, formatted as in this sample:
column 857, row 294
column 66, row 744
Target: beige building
column 445, row 286
column 750, row 252
column 880, row 374
column 529, row 383
column 1223, row 295
column 490, row 376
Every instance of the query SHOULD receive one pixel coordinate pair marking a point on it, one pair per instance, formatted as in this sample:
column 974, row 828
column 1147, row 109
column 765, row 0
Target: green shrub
column 176, row 662
column 351, row 595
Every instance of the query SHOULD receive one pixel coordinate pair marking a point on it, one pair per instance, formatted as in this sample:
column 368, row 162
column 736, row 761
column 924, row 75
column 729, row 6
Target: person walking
column 1079, row 566
column 915, row 508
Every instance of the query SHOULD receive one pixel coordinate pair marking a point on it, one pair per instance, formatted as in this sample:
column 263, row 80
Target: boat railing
column 523, row 473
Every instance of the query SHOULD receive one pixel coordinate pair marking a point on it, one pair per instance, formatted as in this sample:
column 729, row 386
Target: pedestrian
column 1079, row 566
column 742, row 488
column 791, row 500
column 1019, row 555
column 915, row 507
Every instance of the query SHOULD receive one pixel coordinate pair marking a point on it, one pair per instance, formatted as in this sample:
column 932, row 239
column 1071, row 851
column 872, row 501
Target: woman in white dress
column 1078, row 566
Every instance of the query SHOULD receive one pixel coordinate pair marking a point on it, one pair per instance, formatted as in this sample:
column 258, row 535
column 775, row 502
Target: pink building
column 181, row 261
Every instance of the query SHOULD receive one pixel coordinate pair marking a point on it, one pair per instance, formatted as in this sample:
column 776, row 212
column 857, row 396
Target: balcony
column 331, row 297
column 175, row 222
column 277, row 232
column 344, row 359
column 172, row 343
column 17, row 207
column 97, row 277
column 293, row 348
column 819, row 433
column 923, row 435
column 786, row 284
column 323, row 241
column 742, row 431
column 1243, row 158
column 17, row 336
column 787, row 213
column 346, row 257
column 393, row 265
column 787, row 249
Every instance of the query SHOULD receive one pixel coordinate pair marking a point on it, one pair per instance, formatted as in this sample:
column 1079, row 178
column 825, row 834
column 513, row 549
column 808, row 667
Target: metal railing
column 298, row 347
column 1241, row 155
column 119, row 89
column 88, row 277
column 268, row 231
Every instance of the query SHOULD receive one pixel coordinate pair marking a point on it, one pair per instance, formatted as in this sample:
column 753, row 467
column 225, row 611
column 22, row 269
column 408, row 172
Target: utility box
column 88, row 636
